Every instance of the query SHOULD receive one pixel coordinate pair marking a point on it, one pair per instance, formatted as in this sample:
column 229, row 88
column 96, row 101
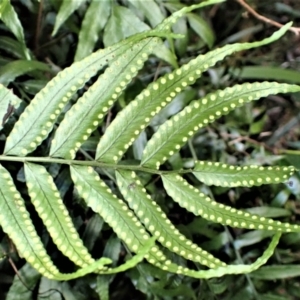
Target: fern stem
column 92, row 163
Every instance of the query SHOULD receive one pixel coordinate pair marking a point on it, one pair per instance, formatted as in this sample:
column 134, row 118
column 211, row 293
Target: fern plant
column 127, row 207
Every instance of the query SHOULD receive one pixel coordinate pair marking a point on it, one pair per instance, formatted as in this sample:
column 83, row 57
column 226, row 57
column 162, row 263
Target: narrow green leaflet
column 47, row 201
column 202, row 28
column 157, row 222
column 174, row 133
column 136, row 116
column 239, row 269
column 219, row 174
column 142, row 253
column 121, row 24
column 8, row 103
column 167, row 23
column 85, row 116
column 199, row 204
column 66, row 9
column 102, row 288
column 90, row 30
column 10, row 71
column 11, row 20
column 266, row 72
column 274, row 272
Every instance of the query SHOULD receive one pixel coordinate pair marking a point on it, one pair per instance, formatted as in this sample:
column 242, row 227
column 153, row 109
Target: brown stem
column 296, row 30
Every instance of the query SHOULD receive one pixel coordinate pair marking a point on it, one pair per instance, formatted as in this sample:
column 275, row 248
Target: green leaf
column 136, row 116
column 12, row 47
column 170, row 136
column 103, row 287
column 267, row 72
column 90, row 30
column 157, row 222
column 47, row 201
column 12, row 70
column 114, row 211
column 11, row 20
column 66, row 9
column 91, row 108
column 121, row 24
column 236, row 269
column 8, row 102
column 220, row 174
column 16, row 222
column 23, row 284
column 199, row 204
column 201, row 27
column 150, row 9
column 277, row 272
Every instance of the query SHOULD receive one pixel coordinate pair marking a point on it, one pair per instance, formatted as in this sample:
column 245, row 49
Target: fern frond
column 226, row 175
column 199, row 204
column 128, row 124
column 157, row 222
column 40, row 115
column 174, row 133
column 84, row 117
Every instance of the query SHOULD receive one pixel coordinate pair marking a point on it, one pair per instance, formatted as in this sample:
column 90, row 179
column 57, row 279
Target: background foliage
column 264, row 132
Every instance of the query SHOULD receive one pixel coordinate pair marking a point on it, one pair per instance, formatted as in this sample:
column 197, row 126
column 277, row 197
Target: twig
column 295, row 30
column 38, row 28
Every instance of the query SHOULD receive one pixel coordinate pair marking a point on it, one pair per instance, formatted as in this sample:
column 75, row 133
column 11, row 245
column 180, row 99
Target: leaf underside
column 137, row 220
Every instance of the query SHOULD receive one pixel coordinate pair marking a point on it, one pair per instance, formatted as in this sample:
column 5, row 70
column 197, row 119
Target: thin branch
column 295, row 30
